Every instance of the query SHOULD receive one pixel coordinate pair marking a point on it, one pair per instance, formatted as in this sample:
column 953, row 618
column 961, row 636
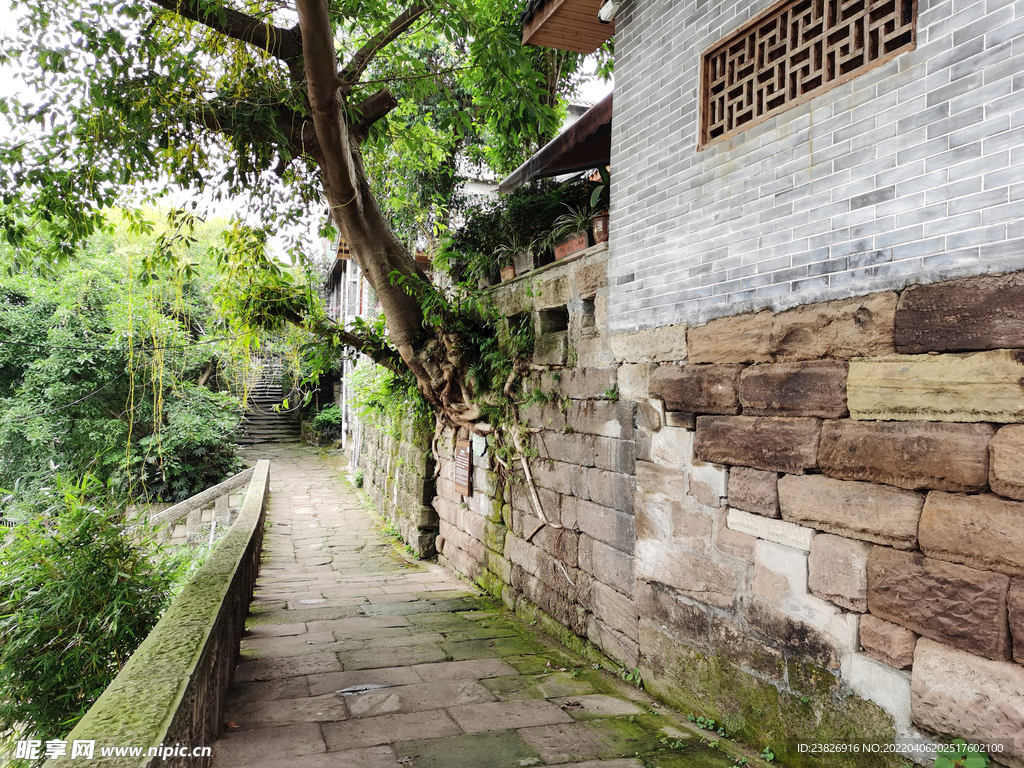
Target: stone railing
column 192, row 508
column 172, row 690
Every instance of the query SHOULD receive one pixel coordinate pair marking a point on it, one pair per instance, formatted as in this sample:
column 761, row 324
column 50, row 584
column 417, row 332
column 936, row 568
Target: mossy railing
column 172, row 690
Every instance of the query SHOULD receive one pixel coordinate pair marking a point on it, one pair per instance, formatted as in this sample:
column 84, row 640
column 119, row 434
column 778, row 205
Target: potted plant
column 514, row 256
column 599, row 200
column 571, row 231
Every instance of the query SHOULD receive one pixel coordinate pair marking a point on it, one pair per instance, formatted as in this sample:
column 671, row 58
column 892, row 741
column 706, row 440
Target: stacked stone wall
column 805, row 524
column 398, row 476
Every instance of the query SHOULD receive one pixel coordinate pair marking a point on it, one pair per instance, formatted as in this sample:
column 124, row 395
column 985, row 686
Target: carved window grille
column 794, row 51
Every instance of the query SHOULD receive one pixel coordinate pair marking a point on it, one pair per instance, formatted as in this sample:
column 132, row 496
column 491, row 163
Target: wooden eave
column 569, row 25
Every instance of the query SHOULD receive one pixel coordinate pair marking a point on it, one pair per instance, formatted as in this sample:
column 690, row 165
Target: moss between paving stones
column 497, row 749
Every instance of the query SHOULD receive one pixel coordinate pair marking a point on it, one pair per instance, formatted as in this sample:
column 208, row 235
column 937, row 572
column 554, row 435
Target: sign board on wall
column 463, row 467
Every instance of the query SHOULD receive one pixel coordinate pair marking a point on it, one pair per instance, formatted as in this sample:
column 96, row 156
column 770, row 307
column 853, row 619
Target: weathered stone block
column 948, row 602
column 956, row 694
column 859, row 510
column 692, row 576
column 887, row 687
column 602, row 417
column 776, row 444
column 698, row 388
column 792, row 635
column 837, row 571
column 648, row 418
column 611, row 489
column 615, row 609
column 590, row 278
column 739, row 339
column 551, row 348
column 579, row 383
column 614, row 528
column 708, row 483
column 634, row 380
column 912, row 455
column 560, row 543
column 681, row 419
column 613, row 643
column 779, row 572
column 978, row 386
column 673, row 447
column 857, row 327
column 1015, row 605
column 656, row 345
column 984, row 312
column 685, row 621
column 730, row 542
column 1006, row 462
column 813, row 388
column 779, row 531
column 983, row 531
column 753, row 490
column 887, row 642
column 608, row 565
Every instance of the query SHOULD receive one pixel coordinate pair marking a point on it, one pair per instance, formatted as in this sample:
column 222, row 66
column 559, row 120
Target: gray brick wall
column 912, row 172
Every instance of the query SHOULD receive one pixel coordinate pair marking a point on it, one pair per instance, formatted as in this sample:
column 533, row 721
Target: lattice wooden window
column 795, row 51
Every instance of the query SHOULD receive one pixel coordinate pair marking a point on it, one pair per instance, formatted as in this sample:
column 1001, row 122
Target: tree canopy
column 370, row 108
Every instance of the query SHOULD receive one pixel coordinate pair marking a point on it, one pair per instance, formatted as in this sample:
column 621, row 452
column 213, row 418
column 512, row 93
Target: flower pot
column 507, row 273
column 523, row 262
column 600, row 226
column 571, row 245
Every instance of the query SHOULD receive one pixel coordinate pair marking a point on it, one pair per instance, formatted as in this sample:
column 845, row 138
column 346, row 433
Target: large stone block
column 858, row 327
column 978, row 386
column 1006, row 462
column 607, row 564
column 948, row 602
column 813, row 388
column 614, row 609
column 912, row 455
column 739, row 339
column 634, row 380
column 983, row 531
column 656, row 345
column 984, row 312
column 611, row 489
column 614, row 528
column 779, row 531
column 579, row 383
column 779, row 572
column 1015, row 605
column 885, row 686
column 693, row 576
column 730, row 542
column 850, row 508
column 775, row 444
column 673, row 447
column 753, row 490
column 837, row 571
column 887, row 642
column 957, row 694
column 698, row 388
column 683, row 620
column 602, row 417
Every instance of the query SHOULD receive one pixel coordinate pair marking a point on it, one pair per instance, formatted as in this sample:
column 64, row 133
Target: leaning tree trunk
column 428, row 352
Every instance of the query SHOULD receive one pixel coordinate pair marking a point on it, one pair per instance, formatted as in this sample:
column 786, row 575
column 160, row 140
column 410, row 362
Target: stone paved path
column 356, row 658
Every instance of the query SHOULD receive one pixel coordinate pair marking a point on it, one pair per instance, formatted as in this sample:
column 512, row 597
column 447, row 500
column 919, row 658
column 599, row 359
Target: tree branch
column 351, row 72
column 283, row 44
column 370, row 110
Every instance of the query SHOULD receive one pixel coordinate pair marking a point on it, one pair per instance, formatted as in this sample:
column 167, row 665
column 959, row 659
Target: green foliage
column 192, row 450
column 526, row 216
column 961, row 755
column 327, row 420
column 77, row 596
column 99, row 370
column 389, row 400
column 767, row 754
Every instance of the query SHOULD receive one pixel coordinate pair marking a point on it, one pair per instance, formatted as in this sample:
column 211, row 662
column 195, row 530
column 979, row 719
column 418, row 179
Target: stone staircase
column 265, row 421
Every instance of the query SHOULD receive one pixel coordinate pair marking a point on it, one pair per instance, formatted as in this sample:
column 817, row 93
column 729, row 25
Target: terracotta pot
column 507, row 273
column 600, row 225
column 571, row 245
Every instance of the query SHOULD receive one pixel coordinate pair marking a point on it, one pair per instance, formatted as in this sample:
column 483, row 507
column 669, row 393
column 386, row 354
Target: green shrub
column 77, row 596
column 193, row 449
column 327, row 420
